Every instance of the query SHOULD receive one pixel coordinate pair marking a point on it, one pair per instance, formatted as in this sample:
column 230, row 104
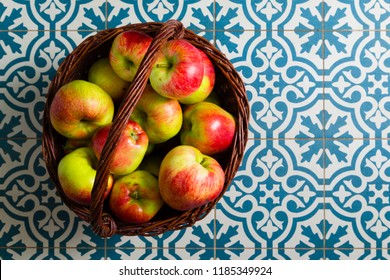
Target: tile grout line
column 323, row 129
column 215, row 207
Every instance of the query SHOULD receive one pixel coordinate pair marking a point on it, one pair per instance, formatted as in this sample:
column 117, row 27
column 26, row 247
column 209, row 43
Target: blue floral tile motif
column 32, row 213
column 25, row 76
column 360, row 193
column 270, row 197
column 195, row 15
column 196, row 242
column 282, row 93
column 359, row 82
column 365, row 14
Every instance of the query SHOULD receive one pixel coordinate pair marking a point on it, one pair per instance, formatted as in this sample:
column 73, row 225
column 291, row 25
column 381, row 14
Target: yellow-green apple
column 127, row 51
column 130, row 148
column 135, row 198
column 160, row 117
column 207, row 84
column 79, row 108
column 189, row 179
column 208, row 127
column 178, row 71
column 102, row 74
column 76, row 173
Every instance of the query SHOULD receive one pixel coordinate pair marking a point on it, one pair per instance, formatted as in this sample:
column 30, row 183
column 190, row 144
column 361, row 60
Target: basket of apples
column 144, row 128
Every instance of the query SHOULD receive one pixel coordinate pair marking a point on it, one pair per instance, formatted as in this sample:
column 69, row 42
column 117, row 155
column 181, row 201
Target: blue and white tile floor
column 315, row 180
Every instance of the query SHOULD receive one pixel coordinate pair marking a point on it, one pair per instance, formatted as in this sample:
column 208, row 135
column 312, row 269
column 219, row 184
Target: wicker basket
column 228, row 86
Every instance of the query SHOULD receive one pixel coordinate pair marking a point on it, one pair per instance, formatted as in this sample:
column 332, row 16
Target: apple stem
column 135, row 195
column 163, row 65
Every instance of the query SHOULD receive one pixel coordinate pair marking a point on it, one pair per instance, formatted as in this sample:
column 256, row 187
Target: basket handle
column 102, row 223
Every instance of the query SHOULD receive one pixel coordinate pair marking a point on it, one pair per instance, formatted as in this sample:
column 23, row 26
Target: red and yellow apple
column 178, row 71
column 207, row 127
column 207, row 84
column 129, row 151
column 160, row 117
column 188, row 179
column 135, row 198
column 79, row 108
column 102, row 74
column 76, row 173
column 127, row 51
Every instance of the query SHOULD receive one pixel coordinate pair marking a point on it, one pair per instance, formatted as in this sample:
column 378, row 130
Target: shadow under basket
column 229, row 88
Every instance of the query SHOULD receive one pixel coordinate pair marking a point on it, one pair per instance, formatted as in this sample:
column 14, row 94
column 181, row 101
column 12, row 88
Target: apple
column 127, row 51
column 207, row 84
column 130, row 148
column 135, row 198
column 188, row 179
column 102, row 74
column 160, row 117
column 79, row 108
column 178, row 70
column 76, row 173
column 207, row 127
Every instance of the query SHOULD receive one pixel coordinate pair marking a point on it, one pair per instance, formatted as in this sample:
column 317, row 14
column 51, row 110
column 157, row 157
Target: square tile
column 196, row 241
column 286, row 99
column 33, row 214
column 357, row 80
column 274, row 200
column 358, row 196
column 348, row 15
column 195, row 15
column 28, row 65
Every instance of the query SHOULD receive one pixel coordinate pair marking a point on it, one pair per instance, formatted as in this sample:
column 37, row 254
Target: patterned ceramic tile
column 285, row 89
column 32, row 213
column 273, row 201
column 194, row 242
column 195, row 15
column 358, row 82
column 27, row 66
column 359, row 193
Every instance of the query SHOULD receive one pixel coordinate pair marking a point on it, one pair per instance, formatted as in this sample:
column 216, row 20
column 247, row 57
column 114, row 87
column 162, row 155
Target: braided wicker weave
column 228, row 87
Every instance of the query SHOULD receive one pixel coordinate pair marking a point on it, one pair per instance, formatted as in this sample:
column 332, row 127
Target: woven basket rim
column 73, row 66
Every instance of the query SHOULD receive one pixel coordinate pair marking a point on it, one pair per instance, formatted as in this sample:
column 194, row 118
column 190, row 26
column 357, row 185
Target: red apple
column 135, row 198
column 79, row 108
column 160, row 117
column 102, row 74
column 178, row 71
column 189, row 179
column 207, row 127
column 76, row 173
column 207, row 84
column 130, row 150
column 127, row 51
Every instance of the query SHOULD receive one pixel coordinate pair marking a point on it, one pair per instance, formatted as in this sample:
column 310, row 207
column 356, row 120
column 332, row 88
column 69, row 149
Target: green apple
column 160, row 117
column 76, row 173
column 79, row 108
column 102, row 74
column 135, row 198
